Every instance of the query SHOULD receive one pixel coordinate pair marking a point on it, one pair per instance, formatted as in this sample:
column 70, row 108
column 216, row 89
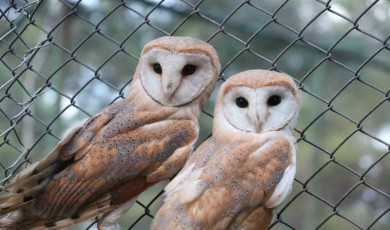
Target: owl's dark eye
column 241, row 102
column 157, row 68
column 274, row 100
column 188, row 70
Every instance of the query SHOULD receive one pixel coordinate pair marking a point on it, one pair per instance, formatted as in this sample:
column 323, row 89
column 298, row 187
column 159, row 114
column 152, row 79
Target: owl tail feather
column 20, row 192
column 98, row 207
column 31, row 180
column 259, row 218
column 18, row 220
column 24, row 219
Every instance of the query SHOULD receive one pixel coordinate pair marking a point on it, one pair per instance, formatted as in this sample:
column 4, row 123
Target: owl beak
column 260, row 119
column 258, row 123
column 257, row 117
column 258, row 128
column 170, row 85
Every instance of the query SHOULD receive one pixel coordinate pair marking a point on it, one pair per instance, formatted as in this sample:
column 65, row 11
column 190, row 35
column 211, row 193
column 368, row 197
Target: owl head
column 257, row 101
column 175, row 71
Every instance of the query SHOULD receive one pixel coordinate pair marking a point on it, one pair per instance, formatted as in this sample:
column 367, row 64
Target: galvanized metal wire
column 27, row 35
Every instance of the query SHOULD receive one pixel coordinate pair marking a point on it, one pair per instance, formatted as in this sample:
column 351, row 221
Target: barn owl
column 247, row 167
column 101, row 166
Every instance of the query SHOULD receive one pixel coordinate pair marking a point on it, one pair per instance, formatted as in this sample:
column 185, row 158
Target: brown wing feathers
column 125, row 153
column 87, row 184
column 135, row 186
column 238, row 180
column 30, row 181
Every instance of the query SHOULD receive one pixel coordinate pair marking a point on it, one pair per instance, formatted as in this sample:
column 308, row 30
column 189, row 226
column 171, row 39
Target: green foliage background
column 62, row 61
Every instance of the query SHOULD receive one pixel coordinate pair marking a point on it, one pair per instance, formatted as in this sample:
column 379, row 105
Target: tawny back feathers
column 101, row 166
column 246, row 168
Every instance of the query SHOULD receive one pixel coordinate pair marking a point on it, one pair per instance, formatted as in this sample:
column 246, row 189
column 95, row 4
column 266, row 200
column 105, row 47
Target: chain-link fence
column 63, row 60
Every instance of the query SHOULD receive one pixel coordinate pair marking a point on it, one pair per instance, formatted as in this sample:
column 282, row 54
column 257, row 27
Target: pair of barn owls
column 233, row 180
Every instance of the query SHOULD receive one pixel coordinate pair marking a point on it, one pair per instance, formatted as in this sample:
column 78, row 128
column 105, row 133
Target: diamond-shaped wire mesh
column 61, row 61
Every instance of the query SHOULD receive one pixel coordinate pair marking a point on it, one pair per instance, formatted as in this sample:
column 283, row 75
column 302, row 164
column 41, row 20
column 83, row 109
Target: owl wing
column 31, row 180
column 157, row 156
column 74, row 157
column 236, row 177
column 259, row 218
column 191, row 171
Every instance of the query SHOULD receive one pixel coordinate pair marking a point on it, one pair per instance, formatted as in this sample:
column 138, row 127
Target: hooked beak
column 258, row 126
column 258, row 117
column 170, row 84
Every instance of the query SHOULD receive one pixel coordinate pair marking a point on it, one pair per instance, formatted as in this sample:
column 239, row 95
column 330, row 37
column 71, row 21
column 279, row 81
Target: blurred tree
column 62, row 61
